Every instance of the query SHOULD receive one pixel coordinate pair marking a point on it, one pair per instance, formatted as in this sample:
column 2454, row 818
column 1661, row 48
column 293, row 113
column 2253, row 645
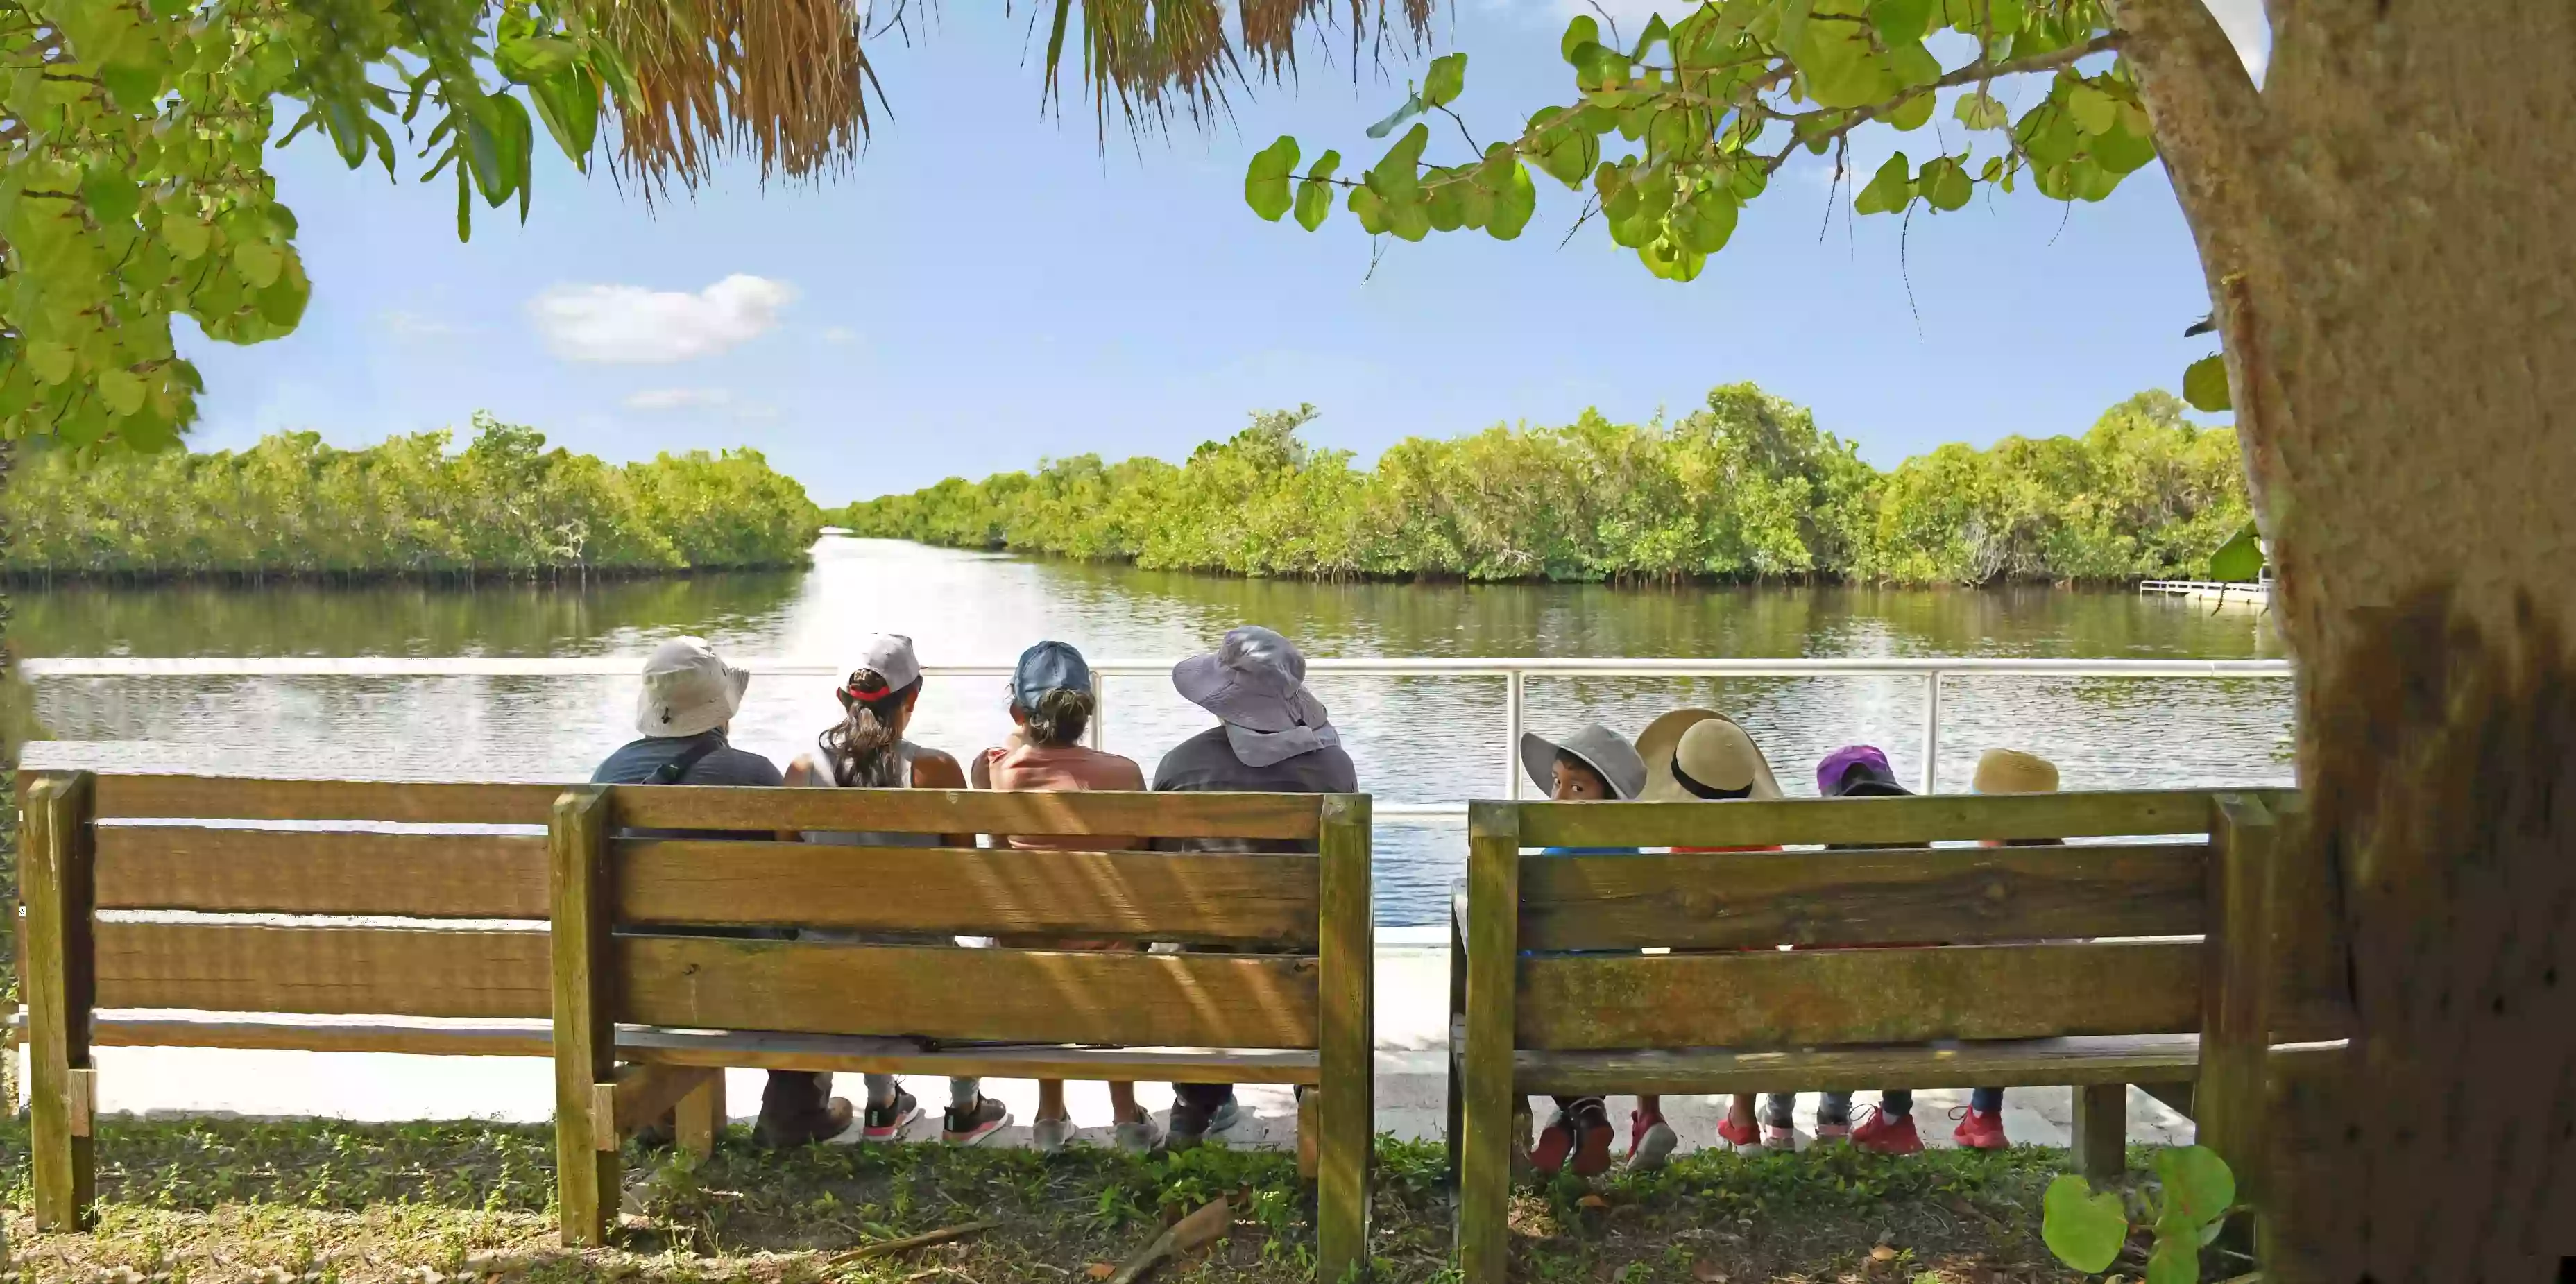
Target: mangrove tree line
column 1746, row 488
column 503, row 506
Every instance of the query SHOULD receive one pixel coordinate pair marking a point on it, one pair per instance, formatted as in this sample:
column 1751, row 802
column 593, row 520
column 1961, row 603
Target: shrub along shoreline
column 1746, row 489
column 505, row 507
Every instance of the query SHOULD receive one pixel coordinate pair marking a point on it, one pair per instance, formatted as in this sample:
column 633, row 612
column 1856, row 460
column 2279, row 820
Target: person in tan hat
column 1701, row 755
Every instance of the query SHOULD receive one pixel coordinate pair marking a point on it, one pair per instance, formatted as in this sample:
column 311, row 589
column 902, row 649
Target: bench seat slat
column 1893, row 821
column 123, row 796
column 1781, row 999
column 1985, row 1063
column 1020, row 995
column 370, row 971
column 408, row 875
column 969, row 811
column 1200, row 898
column 1709, row 900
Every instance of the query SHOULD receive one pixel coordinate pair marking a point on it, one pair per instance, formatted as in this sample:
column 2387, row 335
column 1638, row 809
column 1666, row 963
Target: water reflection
column 1415, row 739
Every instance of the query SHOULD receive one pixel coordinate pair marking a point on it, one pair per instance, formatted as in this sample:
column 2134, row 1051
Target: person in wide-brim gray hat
column 1255, row 683
column 1606, row 752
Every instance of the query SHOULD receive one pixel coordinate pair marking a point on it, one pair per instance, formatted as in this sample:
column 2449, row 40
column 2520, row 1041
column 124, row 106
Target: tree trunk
column 2389, row 234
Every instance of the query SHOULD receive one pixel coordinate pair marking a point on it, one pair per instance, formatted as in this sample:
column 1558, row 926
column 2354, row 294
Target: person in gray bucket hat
column 1272, row 736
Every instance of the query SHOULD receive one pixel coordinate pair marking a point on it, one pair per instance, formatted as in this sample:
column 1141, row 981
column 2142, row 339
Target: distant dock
column 2255, row 594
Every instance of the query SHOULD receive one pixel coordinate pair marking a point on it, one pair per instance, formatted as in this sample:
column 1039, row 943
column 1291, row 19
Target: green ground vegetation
column 504, row 507
column 229, row 1199
column 1746, row 488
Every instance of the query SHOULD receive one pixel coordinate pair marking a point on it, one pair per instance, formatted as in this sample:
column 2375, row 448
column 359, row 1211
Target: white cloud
column 659, row 399
column 630, row 325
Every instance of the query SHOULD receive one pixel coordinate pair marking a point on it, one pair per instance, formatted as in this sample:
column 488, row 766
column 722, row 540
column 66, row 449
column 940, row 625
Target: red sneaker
column 1887, row 1134
column 1650, row 1141
column 1555, row 1142
column 1981, row 1130
column 1592, row 1147
column 1743, row 1139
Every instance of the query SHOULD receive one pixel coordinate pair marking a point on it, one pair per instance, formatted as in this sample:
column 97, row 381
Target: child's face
column 1570, row 783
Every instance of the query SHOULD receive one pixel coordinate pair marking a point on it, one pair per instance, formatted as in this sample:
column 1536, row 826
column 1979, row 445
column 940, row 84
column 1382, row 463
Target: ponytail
column 1059, row 717
column 862, row 748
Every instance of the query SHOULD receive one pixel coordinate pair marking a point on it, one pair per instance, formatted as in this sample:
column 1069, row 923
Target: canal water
column 1416, row 739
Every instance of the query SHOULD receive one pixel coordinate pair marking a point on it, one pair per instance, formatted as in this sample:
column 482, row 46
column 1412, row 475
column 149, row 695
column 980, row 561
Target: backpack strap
column 678, row 769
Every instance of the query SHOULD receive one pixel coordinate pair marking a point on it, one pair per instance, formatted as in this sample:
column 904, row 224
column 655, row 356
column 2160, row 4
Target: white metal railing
column 1932, row 671
column 2220, row 587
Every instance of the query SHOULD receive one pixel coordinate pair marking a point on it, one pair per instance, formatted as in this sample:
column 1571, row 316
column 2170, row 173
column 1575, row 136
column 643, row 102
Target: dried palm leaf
column 784, row 80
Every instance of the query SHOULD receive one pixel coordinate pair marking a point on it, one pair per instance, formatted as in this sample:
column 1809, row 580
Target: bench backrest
column 1970, row 943
column 1307, row 913
column 215, row 848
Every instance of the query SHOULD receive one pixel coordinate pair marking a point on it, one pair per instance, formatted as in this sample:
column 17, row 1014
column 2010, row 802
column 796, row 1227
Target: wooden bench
column 2096, row 965
column 641, row 1018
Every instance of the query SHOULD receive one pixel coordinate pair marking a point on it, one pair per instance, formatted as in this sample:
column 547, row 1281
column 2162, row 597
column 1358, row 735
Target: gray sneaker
column 1050, row 1135
column 1140, row 1136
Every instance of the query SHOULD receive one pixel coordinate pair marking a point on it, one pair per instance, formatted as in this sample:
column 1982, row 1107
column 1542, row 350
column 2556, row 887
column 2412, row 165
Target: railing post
column 585, row 1035
column 1932, row 731
column 1493, row 971
column 1100, row 711
column 1346, row 1111
column 61, row 986
column 1512, row 733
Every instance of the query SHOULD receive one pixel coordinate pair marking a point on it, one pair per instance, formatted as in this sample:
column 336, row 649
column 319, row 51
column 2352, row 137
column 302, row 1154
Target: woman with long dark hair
column 866, row 749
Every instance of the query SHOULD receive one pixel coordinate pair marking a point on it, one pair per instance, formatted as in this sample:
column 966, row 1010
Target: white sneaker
column 1050, row 1135
column 1775, row 1137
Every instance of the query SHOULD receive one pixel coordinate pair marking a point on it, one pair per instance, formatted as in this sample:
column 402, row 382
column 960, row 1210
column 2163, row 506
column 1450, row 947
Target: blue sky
column 988, row 286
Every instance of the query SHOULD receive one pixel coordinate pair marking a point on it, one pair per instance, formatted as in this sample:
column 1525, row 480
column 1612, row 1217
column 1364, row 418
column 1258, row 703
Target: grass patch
column 201, row 1201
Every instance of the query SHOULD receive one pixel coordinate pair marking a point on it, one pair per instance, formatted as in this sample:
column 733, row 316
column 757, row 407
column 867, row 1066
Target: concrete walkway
column 1412, row 1040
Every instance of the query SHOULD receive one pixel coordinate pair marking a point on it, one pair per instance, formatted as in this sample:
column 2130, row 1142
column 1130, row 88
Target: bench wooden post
column 1346, row 1040
column 585, row 1035
column 699, row 1118
column 56, row 884
column 1493, row 954
column 2236, row 1026
column 2101, row 1130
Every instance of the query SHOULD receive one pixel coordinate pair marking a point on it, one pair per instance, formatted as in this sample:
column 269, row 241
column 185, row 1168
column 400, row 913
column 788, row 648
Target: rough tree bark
column 2388, row 228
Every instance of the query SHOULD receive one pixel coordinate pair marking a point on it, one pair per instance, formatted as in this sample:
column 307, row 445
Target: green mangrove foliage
column 503, row 506
column 1747, row 488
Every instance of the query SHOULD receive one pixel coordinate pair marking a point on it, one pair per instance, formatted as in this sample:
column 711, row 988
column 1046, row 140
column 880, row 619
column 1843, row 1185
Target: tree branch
column 1980, row 70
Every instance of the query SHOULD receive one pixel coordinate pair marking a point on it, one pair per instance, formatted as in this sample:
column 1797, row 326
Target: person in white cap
column 689, row 699
column 866, row 749
column 1272, row 736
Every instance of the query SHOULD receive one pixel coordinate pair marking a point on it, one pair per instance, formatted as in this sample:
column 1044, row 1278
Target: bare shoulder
column 932, row 769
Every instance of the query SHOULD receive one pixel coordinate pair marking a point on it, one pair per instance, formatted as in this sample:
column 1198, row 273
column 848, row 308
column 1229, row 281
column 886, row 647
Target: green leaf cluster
column 133, row 171
column 1668, row 137
column 503, row 506
column 1744, row 488
column 2185, row 1208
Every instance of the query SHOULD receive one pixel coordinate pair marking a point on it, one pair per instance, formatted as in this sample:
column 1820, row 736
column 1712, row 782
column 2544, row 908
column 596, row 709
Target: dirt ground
column 211, row 1201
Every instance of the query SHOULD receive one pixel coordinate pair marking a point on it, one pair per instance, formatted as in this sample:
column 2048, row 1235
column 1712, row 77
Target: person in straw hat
column 1595, row 764
column 1701, row 755
column 687, row 705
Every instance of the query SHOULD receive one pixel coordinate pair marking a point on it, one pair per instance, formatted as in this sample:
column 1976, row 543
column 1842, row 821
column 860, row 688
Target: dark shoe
column 972, row 1126
column 833, row 1120
column 1190, row 1127
column 886, row 1123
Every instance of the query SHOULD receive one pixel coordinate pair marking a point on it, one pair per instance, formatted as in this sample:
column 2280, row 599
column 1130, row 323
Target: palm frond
column 788, row 81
